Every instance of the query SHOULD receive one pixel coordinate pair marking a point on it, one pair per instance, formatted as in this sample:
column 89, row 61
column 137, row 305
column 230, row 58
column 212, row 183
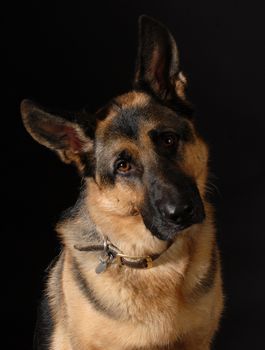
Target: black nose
column 178, row 214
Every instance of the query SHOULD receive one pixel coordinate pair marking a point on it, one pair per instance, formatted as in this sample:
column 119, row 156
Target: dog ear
column 157, row 64
column 66, row 138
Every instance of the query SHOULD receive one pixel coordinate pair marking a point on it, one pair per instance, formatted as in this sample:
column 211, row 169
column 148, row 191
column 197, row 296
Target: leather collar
column 110, row 254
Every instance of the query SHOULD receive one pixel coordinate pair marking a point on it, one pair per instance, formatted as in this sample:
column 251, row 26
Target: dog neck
column 112, row 254
column 78, row 229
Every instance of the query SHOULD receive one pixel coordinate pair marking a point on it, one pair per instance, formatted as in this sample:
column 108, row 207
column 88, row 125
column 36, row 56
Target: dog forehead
column 133, row 99
column 122, row 116
column 133, row 114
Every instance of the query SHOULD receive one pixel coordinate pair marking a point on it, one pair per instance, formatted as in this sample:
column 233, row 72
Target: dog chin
column 167, row 232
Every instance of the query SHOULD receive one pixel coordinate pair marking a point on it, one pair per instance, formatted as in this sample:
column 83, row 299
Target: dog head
column 143, row 162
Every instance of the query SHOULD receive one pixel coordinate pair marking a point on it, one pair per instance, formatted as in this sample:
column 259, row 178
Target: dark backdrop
column 69, row 55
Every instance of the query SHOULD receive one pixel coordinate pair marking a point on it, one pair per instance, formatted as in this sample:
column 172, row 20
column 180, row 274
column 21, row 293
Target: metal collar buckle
column 149, row 262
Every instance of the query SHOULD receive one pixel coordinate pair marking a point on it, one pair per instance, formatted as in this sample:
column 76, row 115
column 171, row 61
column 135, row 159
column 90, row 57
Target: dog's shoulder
column 45, row 321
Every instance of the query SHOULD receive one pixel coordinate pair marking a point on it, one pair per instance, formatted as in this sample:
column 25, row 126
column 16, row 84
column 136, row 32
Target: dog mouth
column 167, row 230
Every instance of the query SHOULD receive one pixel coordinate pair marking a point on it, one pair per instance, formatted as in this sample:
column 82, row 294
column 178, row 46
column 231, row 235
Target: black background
column 67, row 55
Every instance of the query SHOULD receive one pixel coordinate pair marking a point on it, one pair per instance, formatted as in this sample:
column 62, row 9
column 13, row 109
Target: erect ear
column 157, row 64
column 66, row 138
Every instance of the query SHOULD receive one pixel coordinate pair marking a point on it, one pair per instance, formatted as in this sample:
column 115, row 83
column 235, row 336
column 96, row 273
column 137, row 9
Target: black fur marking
column 107, row 177
column 89, row 165
column 182, row 130
column 182, row 133
column 169, row 152
column 89, row 293
column 206, row 284
column 126, row 123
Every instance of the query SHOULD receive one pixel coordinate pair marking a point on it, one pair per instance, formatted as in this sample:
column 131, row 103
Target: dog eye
column 169, row 139
column 123, row 166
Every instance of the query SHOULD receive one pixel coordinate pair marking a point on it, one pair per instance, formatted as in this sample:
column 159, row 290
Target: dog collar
column 111, row 254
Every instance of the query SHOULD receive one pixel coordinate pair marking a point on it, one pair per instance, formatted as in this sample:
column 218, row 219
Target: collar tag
column 104, row 262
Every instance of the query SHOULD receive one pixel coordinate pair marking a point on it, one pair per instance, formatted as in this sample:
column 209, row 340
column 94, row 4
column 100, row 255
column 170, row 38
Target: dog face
column 143, row 162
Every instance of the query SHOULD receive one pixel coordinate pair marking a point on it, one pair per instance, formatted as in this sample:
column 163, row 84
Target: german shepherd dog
column 139, row 268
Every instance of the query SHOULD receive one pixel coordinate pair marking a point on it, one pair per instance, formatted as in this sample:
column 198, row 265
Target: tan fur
column 161, row 311
column 133, row 99
column 195, row 161
column 180, row 85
